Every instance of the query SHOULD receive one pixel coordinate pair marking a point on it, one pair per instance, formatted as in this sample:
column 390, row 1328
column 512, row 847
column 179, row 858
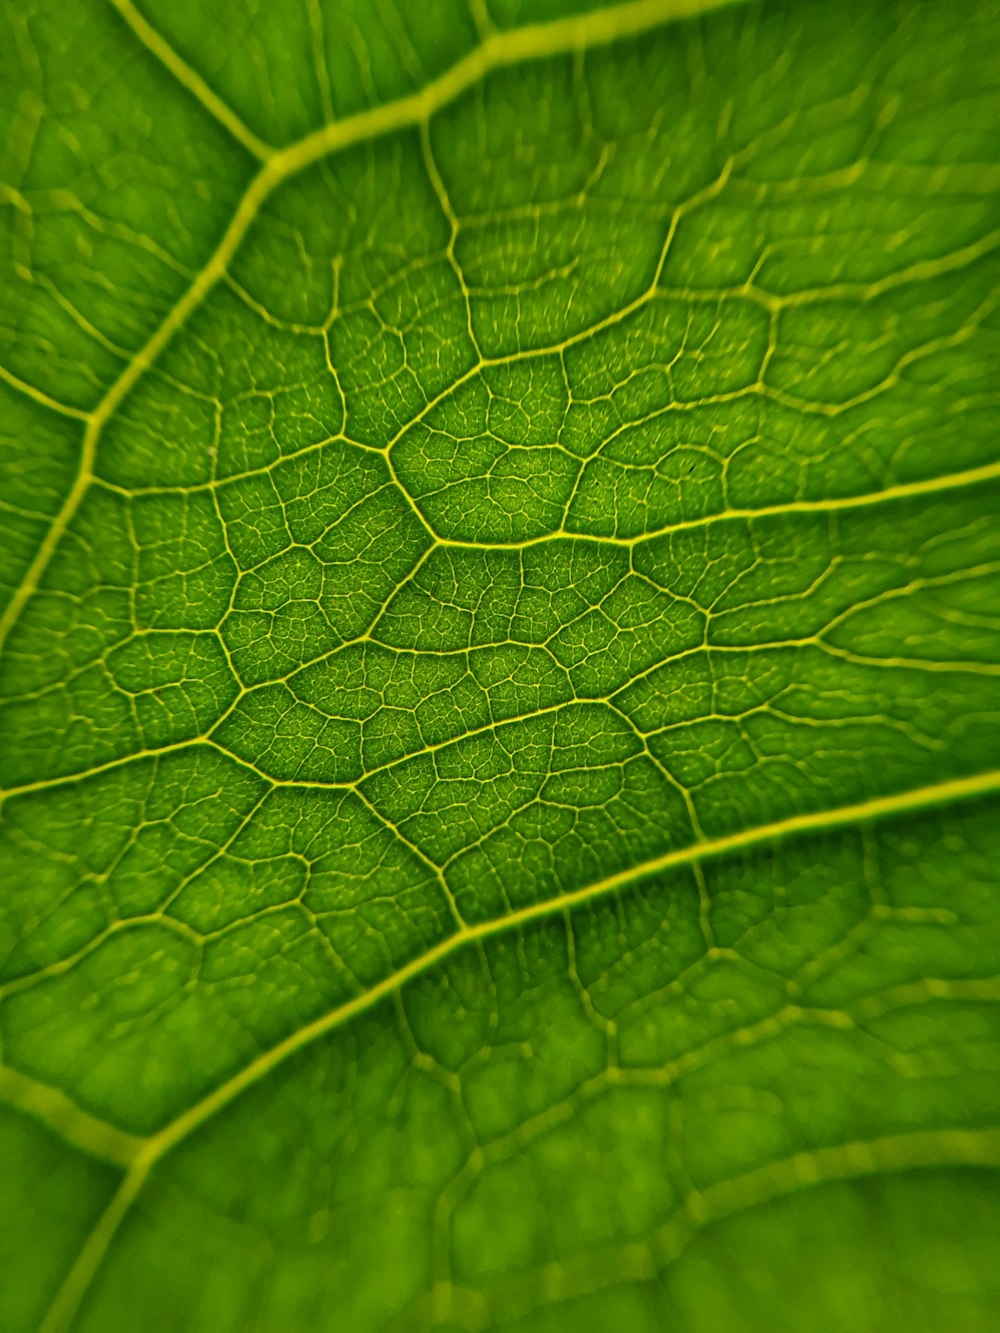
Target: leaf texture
column 500, row 678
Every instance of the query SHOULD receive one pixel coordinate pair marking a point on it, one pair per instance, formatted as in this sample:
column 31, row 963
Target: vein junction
column 527, row 513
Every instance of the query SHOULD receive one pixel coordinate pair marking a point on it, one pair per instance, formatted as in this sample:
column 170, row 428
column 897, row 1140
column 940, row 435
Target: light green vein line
column 109, row 766
column 840, row 1161
column 112, row 1144
column 39, row 396
column 908, row 1151
column 261, row 186
column 61, row 1313
column 906, row 490
column 78, row 1279
column 880, row 807
column 71, row 1122
column 533, row 42
column 529, row 43
column 190, row 79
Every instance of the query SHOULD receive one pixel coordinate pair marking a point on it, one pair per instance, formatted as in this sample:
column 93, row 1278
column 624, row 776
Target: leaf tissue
column 499, row 666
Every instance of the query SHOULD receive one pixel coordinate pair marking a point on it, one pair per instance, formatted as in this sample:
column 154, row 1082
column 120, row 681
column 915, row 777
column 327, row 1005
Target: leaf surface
column 500, row 677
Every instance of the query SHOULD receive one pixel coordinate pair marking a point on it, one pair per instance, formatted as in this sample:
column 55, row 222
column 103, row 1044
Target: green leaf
column 501, row 666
